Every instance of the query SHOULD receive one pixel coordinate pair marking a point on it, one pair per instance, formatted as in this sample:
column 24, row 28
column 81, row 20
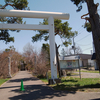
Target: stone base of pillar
column 54, row 81
column 9, row 76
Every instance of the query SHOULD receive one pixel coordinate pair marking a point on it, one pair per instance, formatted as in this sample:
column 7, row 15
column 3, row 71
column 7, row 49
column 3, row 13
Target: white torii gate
column 37, row 14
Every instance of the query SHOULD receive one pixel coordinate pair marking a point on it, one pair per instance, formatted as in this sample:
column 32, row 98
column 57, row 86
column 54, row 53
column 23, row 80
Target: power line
column 79, row 33
column 82, row 30
column 79, row 28
column 83, row 45
column 87, row 49
column 84, row 37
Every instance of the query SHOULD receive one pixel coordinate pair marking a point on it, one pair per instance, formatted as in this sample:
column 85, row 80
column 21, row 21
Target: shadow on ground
column 37, row 92
column 24, row 79
column 95, row 99
column 76, row 87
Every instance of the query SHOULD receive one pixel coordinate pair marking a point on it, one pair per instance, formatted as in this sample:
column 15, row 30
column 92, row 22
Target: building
column 85, row 59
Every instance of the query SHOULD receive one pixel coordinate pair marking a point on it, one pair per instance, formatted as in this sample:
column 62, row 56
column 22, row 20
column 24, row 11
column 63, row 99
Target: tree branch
column 56, row 34
column 87, row 18
column 58, row 46
column 7, row 5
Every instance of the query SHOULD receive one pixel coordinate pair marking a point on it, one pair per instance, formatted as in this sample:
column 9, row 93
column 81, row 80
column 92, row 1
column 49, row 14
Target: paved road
column 88, row 75
column 35, row 89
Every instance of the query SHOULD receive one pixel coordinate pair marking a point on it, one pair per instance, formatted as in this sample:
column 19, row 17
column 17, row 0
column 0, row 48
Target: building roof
column 82, row 56
column 85, row 56
column 68, row 58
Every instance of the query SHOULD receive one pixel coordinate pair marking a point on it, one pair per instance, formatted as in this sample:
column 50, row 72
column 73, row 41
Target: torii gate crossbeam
column 37, row 14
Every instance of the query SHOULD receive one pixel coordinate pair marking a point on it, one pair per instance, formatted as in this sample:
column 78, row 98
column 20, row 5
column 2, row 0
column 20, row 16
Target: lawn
column 90, row 71
column 76, row 84
column 3, row 80
column 44, row 80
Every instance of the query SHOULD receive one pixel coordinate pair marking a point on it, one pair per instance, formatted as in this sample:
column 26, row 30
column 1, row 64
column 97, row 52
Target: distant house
column 85, row 59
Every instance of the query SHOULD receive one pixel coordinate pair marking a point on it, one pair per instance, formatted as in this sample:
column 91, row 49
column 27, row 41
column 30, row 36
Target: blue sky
column 84, row 39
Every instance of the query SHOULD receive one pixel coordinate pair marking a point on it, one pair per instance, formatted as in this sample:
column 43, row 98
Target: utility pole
column 73, row 47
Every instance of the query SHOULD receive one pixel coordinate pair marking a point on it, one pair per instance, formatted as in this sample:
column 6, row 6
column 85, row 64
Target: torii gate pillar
column 52, row 48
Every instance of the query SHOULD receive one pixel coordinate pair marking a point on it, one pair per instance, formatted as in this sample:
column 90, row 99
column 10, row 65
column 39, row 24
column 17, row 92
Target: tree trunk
column 58, row 65
column 94, row 21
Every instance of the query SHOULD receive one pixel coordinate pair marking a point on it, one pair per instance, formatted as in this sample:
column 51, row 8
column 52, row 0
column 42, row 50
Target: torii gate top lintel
column 33, row 14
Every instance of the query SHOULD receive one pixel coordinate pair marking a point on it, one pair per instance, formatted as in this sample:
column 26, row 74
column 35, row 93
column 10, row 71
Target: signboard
column 69, row 64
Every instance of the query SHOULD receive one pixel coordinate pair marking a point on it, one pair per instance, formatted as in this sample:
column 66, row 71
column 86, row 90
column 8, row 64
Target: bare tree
column 28, row 49
column 3, row 65
column 63, row 53
column 15, row 62
column 29, row 55
column 78, row 50
column 42, row 64
column 70, row 51
column 4, row 62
